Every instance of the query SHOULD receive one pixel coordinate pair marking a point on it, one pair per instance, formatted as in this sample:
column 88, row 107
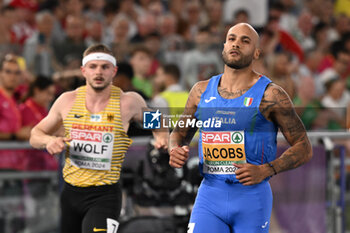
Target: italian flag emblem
column 248, row 101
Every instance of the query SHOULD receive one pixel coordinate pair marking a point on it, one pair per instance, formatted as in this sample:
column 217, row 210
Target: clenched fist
column 178, row 156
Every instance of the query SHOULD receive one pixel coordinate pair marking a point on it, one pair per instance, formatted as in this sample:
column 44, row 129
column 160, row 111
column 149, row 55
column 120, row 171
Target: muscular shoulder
column 196, row 92
column 132, row 105
column 64, row 103
column 275, row 99
column 69, row 95
column 131, row 99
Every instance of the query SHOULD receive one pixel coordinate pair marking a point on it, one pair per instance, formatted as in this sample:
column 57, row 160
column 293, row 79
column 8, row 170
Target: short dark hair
column 204, row 29
column 125, row 69
column 140, row 48
column 97, row 48
column 337, row 48
column 241, row 11
column 41, row 82
column 173, row 70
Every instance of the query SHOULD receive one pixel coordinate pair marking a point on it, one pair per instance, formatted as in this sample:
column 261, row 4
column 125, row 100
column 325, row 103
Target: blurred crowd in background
column 163, row 47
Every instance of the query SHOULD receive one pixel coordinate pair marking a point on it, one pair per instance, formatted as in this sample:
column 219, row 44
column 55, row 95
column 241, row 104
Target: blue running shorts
column 226, row 207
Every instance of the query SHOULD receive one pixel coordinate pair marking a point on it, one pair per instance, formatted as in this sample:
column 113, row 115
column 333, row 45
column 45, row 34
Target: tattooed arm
column 180, row 138
column 276, row 106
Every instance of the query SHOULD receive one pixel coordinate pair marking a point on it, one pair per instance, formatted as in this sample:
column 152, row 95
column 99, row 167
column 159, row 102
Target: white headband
column 99, row 57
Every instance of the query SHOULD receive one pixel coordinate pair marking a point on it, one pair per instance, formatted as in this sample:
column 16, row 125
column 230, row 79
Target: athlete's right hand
column 178, row 156
column 57, row 144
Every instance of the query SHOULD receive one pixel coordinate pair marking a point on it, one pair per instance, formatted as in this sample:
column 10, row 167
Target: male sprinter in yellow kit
column 95, row 119
column 237, row 158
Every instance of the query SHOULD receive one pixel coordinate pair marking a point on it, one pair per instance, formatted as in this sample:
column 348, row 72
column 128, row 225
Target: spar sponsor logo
column 90, row 141
column 221, row 150
column 86, row 135
column 223, row 137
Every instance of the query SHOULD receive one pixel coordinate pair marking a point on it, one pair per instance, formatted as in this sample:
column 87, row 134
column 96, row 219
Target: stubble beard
column 99, row 88
column 244, row 62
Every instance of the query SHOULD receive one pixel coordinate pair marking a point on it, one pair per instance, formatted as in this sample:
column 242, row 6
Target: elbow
column 309, row 153
column 31, row 141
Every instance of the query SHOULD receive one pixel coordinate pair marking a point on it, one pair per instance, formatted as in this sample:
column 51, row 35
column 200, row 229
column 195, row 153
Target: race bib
column 221, row 150
column 91, row 149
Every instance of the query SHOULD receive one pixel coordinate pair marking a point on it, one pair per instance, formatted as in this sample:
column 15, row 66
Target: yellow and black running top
column 95, row 155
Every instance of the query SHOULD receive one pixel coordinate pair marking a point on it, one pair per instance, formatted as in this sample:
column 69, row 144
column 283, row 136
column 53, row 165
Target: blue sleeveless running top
column 244, row 135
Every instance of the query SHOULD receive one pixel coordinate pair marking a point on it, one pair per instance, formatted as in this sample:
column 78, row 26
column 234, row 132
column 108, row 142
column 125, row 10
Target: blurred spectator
column 26, row 78
column 123, row 79
column 156, row 8
column 124, row 76
column 339, row 68
column 306, row 103
column 320, row 35
column 337, row 97
column 146, row 25
column 25, row 20
column 34, row 109
column 7, row 17
column 110, row 13
column 170, row 40
column 142, row 6
column 10, row 124
column 215, row 24
column 95, row 10
column 171, row 97
column 346, row 44
column 240, row 16
column 94, row 32
column 260, row 65
column 40, row 95
column 141, row 61
column 37, row 49
column 341, row 27
column 322, row 11
column 120, row 29
column 192, row 16
column 59, row 12
column 68, row 52
column 127, row 9
column 67, row 80
column 173, row 44
column 310, row 109
column 310, row 68
column 176, row 8
column 152, row 43
column 73, row 7
column 292, row 9
column 274, row 39
column 257, row 11
column 302, row 31
column 280, row 72
column 120, row 43
column 200, row 63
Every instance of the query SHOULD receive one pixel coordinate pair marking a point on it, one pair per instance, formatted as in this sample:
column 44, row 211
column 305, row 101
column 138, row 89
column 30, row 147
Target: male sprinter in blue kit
column 238, row 158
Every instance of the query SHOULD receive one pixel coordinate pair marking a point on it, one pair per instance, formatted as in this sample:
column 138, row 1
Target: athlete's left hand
column 250, row 174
